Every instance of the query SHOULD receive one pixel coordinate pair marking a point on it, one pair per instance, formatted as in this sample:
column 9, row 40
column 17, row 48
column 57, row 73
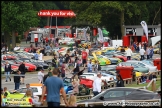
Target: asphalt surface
column 32, row 78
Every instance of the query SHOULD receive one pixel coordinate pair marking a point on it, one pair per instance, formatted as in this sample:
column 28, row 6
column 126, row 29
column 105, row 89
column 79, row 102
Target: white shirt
column 87, row 51
column 142, row 51
column 97, row 84
column 40, row 76
column 128, row 52
column 139, row 46
column 40, row 56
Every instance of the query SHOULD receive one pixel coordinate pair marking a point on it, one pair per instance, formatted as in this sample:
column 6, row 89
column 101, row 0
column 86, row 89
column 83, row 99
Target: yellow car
column 84, row 45
column 138, row 74
column 119, row 48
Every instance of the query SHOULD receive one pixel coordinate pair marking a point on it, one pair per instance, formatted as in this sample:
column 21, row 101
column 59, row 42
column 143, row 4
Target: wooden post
column 153, row 87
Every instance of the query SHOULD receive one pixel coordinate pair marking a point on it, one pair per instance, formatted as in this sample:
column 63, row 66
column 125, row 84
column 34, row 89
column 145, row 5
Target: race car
column 112, row 60
column 102, row 61
column 9, row 57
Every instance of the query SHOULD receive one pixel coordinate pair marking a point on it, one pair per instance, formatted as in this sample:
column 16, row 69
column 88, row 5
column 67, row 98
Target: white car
column 63, row 50
column 70, row 42
column 151, row 67
column 92, row 76
column 65, row 40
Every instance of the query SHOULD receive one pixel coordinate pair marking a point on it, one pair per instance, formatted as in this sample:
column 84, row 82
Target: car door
column 140, row 95
column 112, row 95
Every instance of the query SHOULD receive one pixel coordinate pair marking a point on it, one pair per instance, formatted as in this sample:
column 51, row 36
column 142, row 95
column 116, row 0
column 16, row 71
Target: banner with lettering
column 145, row 28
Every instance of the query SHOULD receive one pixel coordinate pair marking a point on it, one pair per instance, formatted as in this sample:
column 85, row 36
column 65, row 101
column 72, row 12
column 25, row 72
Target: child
column 72, row 101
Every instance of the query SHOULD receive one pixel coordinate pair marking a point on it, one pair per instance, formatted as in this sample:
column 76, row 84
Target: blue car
column 67, row 85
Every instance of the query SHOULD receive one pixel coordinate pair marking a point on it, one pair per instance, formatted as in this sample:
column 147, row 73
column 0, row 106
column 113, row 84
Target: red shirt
column 84, row 55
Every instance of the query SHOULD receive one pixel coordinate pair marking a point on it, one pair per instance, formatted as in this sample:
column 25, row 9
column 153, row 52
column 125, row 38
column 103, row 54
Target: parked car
column 29, row 66
column 113, row 60
column 37, row 63
column 152, row 68
column 67, row 84
column 137, row 67
column 92, row 75
column 9, row 57
column 121, row 94
column 65, row 40
column 102, row 61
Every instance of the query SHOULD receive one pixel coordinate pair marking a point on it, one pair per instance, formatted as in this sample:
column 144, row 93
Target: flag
column 84, row 33
column 145, row 28
column 100, row 38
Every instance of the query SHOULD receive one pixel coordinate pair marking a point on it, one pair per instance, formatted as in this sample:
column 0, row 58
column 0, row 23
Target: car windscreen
column 148, row 62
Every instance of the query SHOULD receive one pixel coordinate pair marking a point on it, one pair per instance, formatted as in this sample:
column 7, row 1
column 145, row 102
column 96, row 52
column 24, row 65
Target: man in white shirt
column 97, row 84
column 40, row 76
column 128, row 53
column 142, row 53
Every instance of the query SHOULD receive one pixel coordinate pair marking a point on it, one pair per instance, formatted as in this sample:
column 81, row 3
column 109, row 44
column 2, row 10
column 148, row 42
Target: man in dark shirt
column 22, row 70
column 17, row 80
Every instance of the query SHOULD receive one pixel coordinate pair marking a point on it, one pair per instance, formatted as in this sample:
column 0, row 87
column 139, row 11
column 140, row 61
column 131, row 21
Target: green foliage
column 18, row 16
column 18, row 39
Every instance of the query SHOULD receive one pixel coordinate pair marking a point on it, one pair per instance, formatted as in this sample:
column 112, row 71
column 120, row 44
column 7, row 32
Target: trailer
column 36, row 36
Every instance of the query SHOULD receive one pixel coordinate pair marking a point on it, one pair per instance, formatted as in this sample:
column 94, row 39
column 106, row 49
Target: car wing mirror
column 101, row 98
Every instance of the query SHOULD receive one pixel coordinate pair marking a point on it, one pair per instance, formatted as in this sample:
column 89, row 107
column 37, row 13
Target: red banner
column 56, row 13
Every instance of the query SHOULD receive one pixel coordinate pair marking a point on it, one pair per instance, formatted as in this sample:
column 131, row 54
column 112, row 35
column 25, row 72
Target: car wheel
column 49, row 64
column 48, row 54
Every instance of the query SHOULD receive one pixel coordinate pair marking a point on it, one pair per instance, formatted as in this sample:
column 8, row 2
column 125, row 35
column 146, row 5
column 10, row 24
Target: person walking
column 84, row 57
column 142, row 53
column 97, row 84
column 7, row 71
column 128, row 53
column 54, row 86
column 76, row 67
column 89, row 66
column 17, row 80
column 29, row 88
column 151, row 52
column 63, row 70
column 75, row 87
column 23, row 71
column 148, row 53
column 120, row 82
column 41, row 75
column 97, row 66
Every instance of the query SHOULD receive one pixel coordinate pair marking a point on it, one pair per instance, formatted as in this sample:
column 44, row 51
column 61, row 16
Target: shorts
column 22, row 74
column 84, row 61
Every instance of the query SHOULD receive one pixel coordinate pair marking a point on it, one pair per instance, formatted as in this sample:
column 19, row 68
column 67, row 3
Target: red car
column 27, row 49
column 87, row 82
column 9, row 57
column 13, row 67
column 123, row 58
column 30, row 67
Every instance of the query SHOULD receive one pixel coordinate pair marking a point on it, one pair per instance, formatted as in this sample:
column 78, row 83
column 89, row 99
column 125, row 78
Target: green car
column 102, row 61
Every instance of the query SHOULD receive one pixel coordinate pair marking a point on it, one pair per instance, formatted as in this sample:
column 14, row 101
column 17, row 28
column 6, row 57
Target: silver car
column 151, row 67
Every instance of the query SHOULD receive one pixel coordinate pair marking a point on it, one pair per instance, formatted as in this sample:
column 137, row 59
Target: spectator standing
column 139, row 45
column 97, row 66
column 41, row 56
column 97, row 84
column 76, row 67
column 23, row 71
column 84, row 57
column 145, row 45
column 63, row 70
column 54, row 61
column 89, row 66
column 142, row 53
column 72, row 101
column 40, row 76
column 29, row 88
column 128, row 53
column 75, row 87
column 17, row 80
column 120, row 82
column 53, row 86
column 151, row 52
column 7, row 71
column 36, row 56
column 61, row 60
column 134, row 46
column 148, row 52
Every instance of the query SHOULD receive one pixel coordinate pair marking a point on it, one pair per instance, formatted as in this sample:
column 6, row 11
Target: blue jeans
column 17, row 85
column 89, row 70
column 7, row 75
column 95, row 93
column 53, row 104
column 151, row 56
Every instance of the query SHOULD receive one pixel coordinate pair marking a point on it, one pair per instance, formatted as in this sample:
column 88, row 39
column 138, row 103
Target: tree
column 18, row 17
